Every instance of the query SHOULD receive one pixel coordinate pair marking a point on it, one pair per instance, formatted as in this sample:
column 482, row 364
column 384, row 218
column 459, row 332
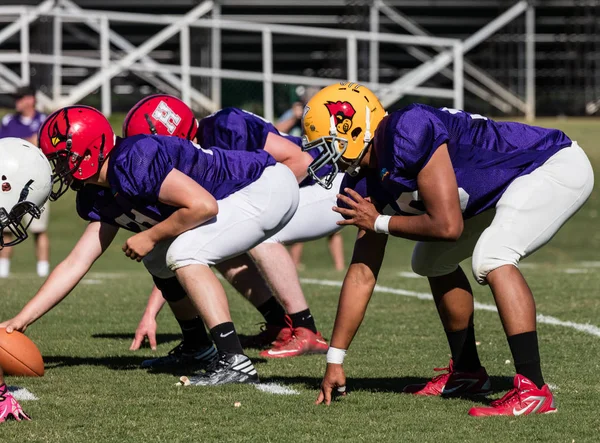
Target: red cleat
column 524, row 399
column 270, row 335
column 301, row 342
column 453, row 383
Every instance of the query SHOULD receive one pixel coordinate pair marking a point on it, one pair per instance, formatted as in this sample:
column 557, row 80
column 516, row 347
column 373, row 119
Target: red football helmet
column 161, row 114
column 76, row 140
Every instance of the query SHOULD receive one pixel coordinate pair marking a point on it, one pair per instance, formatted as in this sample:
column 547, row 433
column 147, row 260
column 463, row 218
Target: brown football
column 19, row 355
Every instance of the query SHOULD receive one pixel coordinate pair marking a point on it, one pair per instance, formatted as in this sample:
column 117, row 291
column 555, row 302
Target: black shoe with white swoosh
column 228, row 368
column 183, row 357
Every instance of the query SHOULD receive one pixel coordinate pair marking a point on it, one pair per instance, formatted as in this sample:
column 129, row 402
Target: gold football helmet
column 340, row 121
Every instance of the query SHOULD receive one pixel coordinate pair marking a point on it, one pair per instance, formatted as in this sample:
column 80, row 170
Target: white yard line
column 275, row 388
column 541, row 318
column 21, row 394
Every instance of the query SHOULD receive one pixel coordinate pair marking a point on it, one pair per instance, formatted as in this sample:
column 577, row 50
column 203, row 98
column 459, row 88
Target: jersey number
column 140, row 220
column 409, row 203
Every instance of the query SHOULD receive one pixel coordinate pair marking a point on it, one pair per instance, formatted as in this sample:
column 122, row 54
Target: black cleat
column 228, row 368
column 184, row 356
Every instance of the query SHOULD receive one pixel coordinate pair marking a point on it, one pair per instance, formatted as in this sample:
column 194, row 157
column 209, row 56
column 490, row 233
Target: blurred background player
column 290, row 122
column 25, row 123
column 335, row 242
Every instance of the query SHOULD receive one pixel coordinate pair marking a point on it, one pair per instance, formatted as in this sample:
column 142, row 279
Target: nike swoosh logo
column 522, row 411
column 536, row 401
column 464, row 383
column 225, row 335
column 284, row 351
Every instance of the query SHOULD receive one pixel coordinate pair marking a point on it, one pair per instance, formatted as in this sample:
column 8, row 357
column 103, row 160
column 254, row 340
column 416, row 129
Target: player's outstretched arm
column 147, row 326
column 196, row 206
column 94, row 241
column 357, row 289
column 286, row 152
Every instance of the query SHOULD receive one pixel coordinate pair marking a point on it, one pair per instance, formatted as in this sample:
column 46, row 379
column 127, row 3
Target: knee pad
column 171, row 289
column 493, row 251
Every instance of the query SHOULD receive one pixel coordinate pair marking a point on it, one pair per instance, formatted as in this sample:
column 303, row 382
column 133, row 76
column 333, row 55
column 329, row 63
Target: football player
column 24, row 123
column 473, row 187
column 236, row 129
column 190, row 208
column 25, row 184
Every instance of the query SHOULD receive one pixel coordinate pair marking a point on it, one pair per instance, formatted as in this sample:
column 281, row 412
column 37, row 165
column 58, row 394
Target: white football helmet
column 25, row 184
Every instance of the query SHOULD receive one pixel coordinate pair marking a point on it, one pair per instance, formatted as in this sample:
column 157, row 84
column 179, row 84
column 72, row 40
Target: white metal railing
column 177, row 77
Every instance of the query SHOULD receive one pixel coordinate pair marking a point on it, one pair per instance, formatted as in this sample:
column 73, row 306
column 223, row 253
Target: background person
column 25, row 123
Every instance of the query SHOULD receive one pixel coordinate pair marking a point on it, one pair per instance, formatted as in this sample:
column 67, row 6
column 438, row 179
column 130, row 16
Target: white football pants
column 245, row 219
column 529, row 213
column 314, row 218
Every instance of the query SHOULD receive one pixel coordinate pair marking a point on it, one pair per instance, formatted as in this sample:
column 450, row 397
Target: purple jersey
column 486, row 155
column 236, row 129
column 139, row 165
column 15, row 125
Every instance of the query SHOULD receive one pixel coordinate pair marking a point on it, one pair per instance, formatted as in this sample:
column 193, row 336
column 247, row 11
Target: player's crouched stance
column 474, row 187
column 191, row 208
column 26, row 182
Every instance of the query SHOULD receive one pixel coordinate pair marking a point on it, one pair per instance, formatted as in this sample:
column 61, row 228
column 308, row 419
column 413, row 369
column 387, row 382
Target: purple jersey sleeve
column 410, row 138
column 139, row 175
column 234, row 129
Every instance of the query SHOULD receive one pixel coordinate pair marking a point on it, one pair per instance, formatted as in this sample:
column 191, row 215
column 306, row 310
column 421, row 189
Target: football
column 19, row 355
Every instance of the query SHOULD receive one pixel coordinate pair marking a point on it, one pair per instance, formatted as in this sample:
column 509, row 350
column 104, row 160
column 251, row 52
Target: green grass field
column 93, row 390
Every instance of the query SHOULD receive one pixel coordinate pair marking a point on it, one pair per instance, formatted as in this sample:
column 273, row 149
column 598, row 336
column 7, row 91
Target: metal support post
column 186, row 80
column 105, row 59
column 267, row 53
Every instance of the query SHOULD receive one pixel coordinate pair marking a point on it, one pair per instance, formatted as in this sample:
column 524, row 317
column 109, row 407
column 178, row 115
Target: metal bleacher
column 567, row 71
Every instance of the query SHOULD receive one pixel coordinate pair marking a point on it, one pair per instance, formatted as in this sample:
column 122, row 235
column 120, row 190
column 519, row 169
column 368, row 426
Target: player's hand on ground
column 360, row 212
column 138, row 246
column 146, row 328
column 334, row 383
column 14, row 324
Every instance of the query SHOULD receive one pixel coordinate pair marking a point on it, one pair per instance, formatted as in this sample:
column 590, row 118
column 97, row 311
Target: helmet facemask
column 13, row 221
column 332, row 149
column 65, row 164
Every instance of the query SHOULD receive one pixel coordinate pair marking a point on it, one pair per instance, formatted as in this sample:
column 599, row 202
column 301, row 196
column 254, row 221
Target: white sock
column 4, row 267
column 43, row 267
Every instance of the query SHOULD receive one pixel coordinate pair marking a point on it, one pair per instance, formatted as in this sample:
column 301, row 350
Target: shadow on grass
column 117, row 362
column 123, row 363
column 160, row 338
column 384, row 384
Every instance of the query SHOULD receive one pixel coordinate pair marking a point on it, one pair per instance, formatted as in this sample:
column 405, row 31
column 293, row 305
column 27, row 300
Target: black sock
column 464, row 350
column 304, row 319
column 273, row 312
column 226, row 339
column 526, row 355
column 194, row 333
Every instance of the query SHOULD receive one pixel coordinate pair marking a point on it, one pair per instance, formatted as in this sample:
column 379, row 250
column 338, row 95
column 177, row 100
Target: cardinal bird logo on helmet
column 58, row 128
column 343, row 112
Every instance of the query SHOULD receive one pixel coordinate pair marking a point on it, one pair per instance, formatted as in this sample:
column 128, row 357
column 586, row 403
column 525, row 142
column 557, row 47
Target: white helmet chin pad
column 25, row 184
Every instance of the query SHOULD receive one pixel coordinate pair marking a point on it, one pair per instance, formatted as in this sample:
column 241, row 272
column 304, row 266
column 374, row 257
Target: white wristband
column 382, row 224
column 335, row 355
